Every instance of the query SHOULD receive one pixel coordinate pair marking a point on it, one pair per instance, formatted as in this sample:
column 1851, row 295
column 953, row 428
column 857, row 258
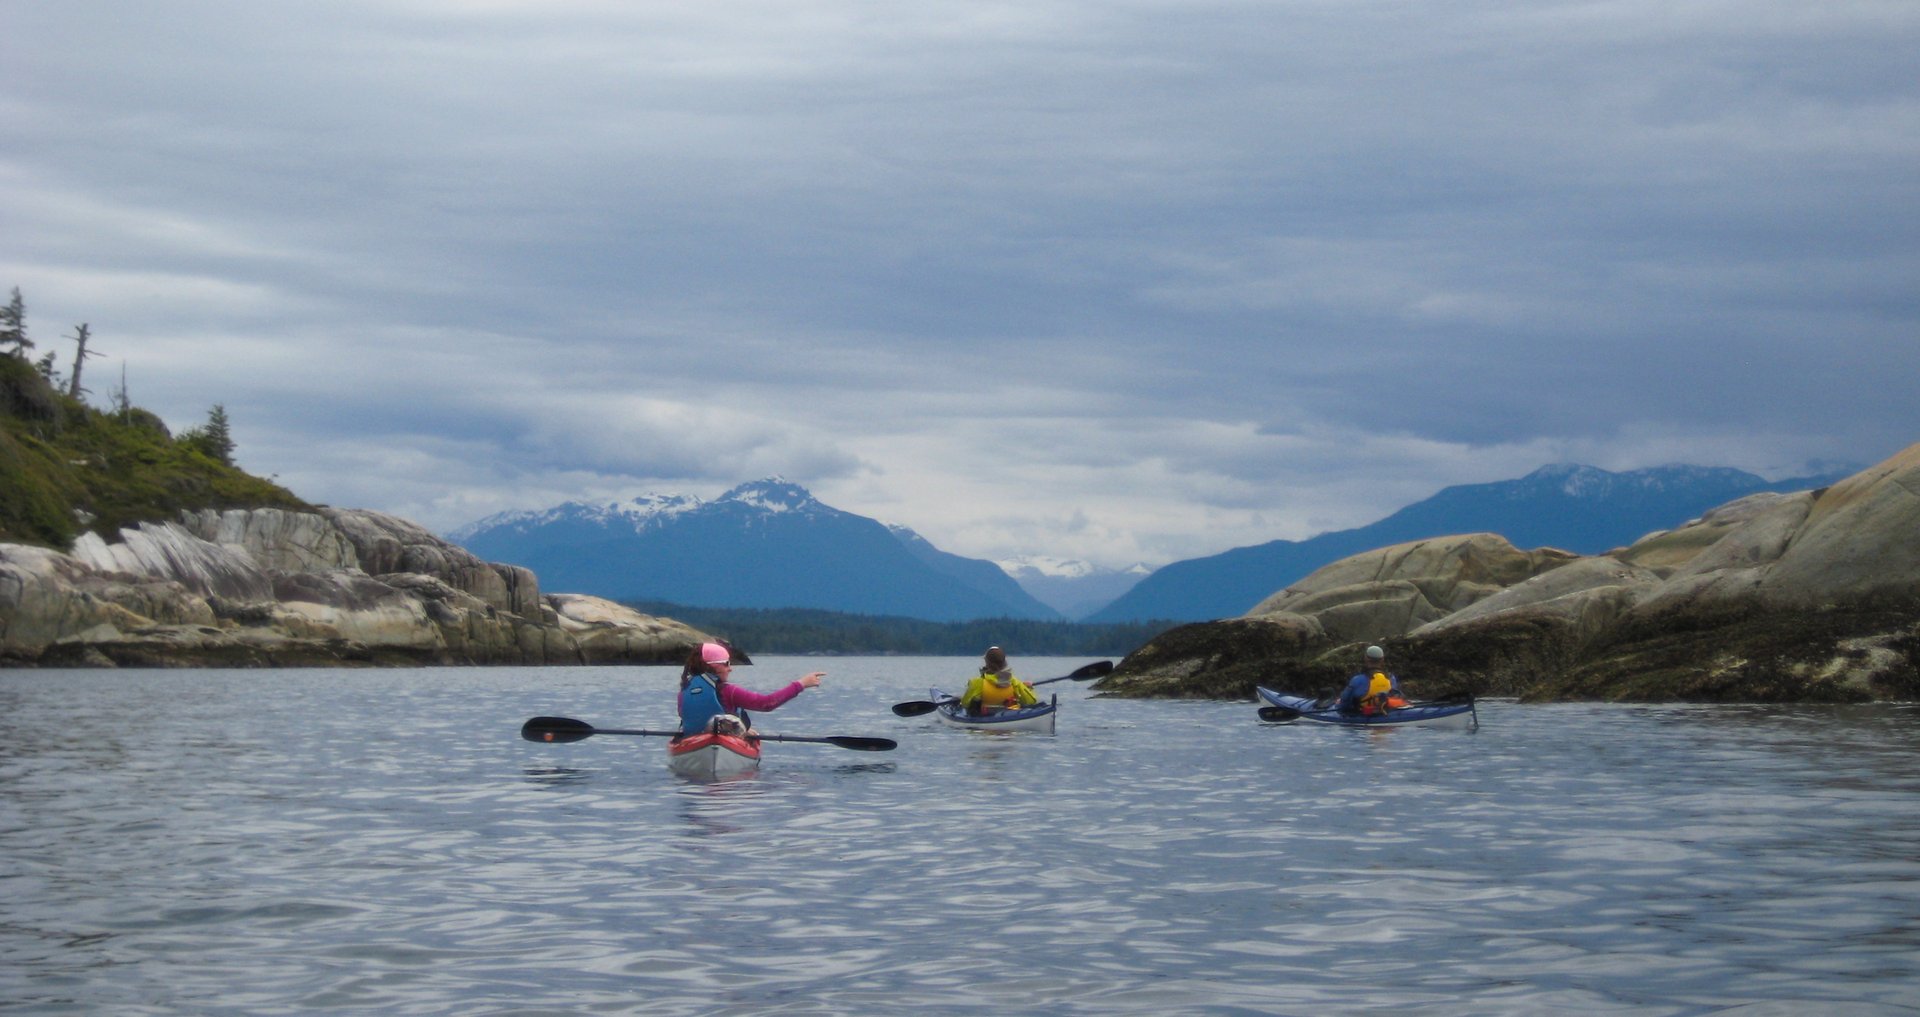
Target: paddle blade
column 863, row 744
column 555, row 729
column 1097, row 669
column 914, row 709
column 1278, row 714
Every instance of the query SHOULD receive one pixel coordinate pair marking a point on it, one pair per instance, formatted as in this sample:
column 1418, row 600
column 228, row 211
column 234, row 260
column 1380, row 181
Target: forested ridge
column 806, row 630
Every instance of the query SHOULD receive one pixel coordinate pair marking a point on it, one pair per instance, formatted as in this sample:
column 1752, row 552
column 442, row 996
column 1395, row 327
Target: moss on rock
column 1225, row 660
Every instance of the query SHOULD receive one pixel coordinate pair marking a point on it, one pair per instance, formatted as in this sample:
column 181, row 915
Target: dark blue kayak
column 1450, row 714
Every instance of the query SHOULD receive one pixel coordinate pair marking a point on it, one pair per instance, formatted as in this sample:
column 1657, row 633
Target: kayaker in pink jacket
column 706, row 692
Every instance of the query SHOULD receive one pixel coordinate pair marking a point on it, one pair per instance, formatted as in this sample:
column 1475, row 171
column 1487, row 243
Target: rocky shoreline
column 1806, row 597
column 281, row 588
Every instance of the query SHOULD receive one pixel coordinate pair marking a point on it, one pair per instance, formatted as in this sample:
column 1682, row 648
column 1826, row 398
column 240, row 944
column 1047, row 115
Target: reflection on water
column 274, row 842
column 550, row 775
column 854, row 769
column 708, row 807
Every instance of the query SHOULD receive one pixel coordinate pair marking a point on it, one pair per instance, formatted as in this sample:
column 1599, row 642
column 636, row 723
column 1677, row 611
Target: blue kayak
column 1449, row 714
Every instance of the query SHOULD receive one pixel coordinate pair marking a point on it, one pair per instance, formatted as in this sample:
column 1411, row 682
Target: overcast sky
column 1125, row 280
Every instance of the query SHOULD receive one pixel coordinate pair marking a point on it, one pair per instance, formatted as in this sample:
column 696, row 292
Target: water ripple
column 171, row 845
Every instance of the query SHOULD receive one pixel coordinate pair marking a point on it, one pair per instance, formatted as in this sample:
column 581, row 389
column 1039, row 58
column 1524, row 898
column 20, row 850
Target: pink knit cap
column 714, row 653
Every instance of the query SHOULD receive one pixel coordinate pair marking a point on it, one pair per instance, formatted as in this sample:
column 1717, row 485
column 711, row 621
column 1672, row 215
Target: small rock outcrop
column 610, row 633
column 1809, row 596
column 275, row 587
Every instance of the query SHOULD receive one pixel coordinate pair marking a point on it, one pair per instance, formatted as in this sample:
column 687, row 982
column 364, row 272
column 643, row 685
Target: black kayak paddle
column 566, row 729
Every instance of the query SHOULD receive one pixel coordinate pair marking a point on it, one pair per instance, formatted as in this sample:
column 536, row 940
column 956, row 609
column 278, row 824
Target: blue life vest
column 699, row 704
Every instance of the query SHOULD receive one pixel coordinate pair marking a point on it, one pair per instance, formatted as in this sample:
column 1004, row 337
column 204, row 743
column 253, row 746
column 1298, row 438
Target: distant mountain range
column 767, row 544
column 1073, row 588
column 1575, row 508
column 771, row 544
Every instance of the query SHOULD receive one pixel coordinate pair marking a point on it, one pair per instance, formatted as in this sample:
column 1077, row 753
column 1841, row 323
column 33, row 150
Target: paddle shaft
column 844, row 741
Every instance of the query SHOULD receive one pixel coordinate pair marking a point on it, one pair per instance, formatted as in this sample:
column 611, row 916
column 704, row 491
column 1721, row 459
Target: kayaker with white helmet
column 1374, row 689
column 709, row 701
column 996, row 688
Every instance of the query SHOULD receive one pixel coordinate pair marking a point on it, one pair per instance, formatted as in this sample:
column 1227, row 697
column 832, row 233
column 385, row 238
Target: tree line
column 214, row 439
column 810, row 630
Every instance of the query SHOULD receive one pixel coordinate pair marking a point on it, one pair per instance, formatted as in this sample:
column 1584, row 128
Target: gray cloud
column 1151, row 279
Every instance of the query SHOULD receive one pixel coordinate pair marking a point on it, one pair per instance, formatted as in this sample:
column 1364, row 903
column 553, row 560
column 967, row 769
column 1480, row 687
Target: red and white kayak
column 713, row 756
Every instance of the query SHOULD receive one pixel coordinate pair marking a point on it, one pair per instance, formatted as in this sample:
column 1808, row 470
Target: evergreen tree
column 121, row 404
column 219, row 435
column 13, row 326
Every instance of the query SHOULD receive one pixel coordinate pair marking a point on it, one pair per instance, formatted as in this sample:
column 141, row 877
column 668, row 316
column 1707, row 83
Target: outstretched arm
column 733, row 697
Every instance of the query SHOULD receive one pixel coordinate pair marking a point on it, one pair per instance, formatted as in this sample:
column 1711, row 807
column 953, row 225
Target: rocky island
column 1811, row 596
column 279, row 587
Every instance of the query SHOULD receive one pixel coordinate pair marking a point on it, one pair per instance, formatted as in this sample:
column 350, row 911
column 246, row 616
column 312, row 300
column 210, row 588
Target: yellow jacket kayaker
column 996, row 688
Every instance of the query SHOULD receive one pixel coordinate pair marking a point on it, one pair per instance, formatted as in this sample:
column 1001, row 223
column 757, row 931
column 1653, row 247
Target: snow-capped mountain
column 1072, row 587
column 770, row 543
column 764, row 544
column 636, row 514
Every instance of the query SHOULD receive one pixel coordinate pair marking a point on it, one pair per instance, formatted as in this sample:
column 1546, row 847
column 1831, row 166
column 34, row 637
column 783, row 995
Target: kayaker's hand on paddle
column 811, row 681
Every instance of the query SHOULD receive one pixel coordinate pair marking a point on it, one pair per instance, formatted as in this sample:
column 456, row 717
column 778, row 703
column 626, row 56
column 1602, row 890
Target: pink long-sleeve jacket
column 733, row 697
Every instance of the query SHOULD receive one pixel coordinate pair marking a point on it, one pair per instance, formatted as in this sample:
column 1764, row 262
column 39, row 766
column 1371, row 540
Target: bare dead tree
column 80, row 355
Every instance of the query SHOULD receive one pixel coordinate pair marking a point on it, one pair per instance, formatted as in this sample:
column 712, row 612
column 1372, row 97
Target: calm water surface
column 267, row 842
